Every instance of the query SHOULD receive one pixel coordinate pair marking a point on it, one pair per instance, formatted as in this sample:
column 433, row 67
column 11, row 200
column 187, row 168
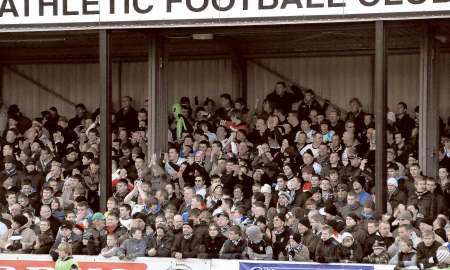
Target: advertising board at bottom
column 44, row 262
column 37, row 262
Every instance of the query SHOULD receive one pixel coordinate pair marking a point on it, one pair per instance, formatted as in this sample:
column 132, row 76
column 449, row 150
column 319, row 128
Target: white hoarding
column 26, row 13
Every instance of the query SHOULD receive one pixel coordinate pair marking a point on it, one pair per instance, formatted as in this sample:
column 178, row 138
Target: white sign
column 25, row 13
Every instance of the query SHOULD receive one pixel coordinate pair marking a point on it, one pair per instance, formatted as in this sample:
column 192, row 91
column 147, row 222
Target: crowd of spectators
column 289, row 179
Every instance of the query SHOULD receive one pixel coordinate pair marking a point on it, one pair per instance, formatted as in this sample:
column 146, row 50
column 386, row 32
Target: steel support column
column 380, row 108
column 428, row 104
column 158, row 96
column 105, row 117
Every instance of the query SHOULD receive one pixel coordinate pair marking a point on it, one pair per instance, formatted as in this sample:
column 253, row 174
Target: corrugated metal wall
column 335, row 78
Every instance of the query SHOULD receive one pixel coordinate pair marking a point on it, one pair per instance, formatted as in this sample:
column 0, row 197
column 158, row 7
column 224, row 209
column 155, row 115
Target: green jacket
column 66, row 264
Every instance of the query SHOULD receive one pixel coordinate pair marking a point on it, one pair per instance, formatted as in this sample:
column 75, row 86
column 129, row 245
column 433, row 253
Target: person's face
column 443, row 174
column 354, row 106
column 308, row 97
column 325, row 235
column 350, row 222
column 317, row 196
column 126, row 102
column 315, row 181
column 342, row 194
column 137, row 235
column 237, row 193
column 400, row 109
column 224, row 102
column 371, row 228
column 421, row 186
column 44, row 226
column 357, row 187
column 384, row 229
column 335, row 141
column 279, row 89
column 11, row 199
column 391, row 188
column 213, row 231
column 121, row 187
column 187, row 230
column 317, row 139
column 398, row 138
column 233, row 236
column 347, row 242
column 431, row 186
column 7, row 150
column 351, row 200
column 325, row 185
column 111, row 241
column 414, row 171
column 428, row 240
column 111, row 204
column 305, row 126
column 403, row 233
column 308, row 159
column 82, row 211
column 277, row 222
column 111, row 221
column 281, row 183
column 187, row 193
column 177, row 222
column 124, row 213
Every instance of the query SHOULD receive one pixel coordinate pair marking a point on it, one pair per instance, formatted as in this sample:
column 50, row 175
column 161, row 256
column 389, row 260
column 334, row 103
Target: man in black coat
column 426, row 251
column 283, row 97
column 328, row 249
column 185, row 245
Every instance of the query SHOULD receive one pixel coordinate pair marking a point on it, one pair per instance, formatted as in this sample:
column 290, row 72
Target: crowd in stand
column 290, row 179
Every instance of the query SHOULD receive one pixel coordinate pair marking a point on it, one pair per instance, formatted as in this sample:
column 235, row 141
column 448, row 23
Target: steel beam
column 105, row 117
column 428, row 103
column 158, row 107
column 380, row 107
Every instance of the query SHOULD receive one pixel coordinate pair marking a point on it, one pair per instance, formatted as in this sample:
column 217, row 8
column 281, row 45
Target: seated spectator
column 379, row 254
column 295, row 250
column 406, row 256
column 133, row 247
column 111, row 249
column 235, row 246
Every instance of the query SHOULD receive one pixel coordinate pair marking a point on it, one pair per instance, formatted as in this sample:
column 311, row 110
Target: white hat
column 266, row 189
column 392, row 182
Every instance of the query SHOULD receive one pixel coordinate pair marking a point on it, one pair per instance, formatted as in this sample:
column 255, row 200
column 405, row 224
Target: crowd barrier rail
column 44, row 262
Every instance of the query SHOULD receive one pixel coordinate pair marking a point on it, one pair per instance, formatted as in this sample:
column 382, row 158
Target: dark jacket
column 310, row 240
column 96, row 240
column 426, row 256
column 211, row 247
column 233, row 250
column 280, row 242
column 396, row 198
column 46, row 241
column 162, row 246
column 187, row 247
column 328, row 251
column 425, row 203
column 352, row 254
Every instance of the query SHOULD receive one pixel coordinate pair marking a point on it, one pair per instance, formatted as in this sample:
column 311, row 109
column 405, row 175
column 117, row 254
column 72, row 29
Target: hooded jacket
column 211, row 247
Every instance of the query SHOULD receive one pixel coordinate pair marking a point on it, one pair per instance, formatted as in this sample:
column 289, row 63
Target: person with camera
column 20, row 238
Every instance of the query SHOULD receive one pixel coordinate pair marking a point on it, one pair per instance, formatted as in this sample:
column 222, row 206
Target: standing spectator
column 127, row 115
column 404, row 123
